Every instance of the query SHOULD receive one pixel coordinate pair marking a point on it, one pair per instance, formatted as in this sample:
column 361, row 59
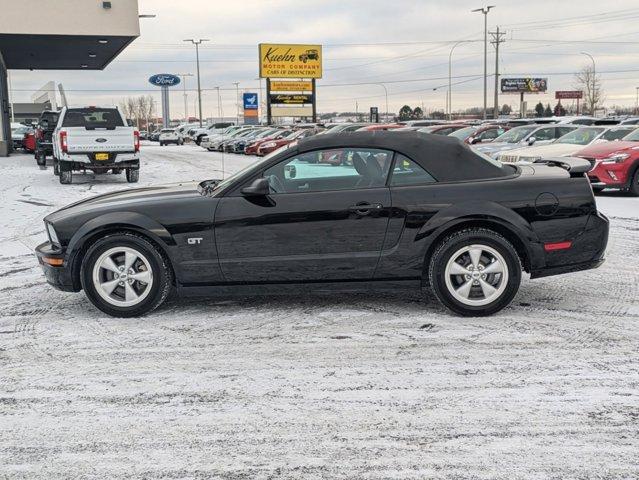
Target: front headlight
column 53, row 237
column 617, row 157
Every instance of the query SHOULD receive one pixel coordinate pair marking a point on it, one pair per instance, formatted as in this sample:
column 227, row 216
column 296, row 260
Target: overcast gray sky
column 402, row 43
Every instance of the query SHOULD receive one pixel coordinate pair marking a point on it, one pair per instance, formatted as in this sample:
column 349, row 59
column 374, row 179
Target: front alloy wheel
column 122, row 276
column 125, row 275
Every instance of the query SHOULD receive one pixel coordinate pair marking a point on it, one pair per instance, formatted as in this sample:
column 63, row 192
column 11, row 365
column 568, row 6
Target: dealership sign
column 290, row 61
column 569, row 94
column 250, row 101
column 164, row 80
column 291, row 86
column 289, row 99
column 524, row 85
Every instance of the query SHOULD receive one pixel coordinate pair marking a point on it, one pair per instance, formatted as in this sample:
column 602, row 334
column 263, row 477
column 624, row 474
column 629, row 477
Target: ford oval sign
column 164, row 80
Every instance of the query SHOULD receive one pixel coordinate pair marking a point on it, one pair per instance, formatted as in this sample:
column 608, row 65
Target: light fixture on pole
column 484, row 11
column 197, row 44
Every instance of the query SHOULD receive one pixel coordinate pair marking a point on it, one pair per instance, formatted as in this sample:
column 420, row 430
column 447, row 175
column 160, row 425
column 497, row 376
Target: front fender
column 126, row 220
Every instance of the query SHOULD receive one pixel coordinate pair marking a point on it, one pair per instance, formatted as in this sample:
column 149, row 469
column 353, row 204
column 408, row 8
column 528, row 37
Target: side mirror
column 259, row 188
column 531, row 140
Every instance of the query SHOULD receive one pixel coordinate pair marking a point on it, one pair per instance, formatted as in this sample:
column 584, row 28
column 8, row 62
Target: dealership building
column 60, row 35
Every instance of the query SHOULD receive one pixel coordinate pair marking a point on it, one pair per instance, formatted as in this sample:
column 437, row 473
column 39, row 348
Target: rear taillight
column 136, row 141
column 63, row 142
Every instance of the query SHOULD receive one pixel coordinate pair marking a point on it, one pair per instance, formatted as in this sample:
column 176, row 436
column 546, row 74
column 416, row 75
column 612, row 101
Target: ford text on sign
column 290, row 61
column 164, row 80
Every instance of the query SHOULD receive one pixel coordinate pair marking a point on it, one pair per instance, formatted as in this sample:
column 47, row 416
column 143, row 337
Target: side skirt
column 290, row 288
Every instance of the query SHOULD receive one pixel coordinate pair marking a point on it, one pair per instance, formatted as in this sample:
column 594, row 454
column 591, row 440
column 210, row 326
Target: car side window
column 334, row 169
column 561, row 131
column 407, row 172
column 545, row 134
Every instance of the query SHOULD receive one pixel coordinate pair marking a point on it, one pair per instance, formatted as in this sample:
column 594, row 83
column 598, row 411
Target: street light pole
column 484, row 11
column 637, row 101
column 386, row 94
column 186, row 112
column 594, row 77
column 237, row 102
column 197, row 60
column 449, row 96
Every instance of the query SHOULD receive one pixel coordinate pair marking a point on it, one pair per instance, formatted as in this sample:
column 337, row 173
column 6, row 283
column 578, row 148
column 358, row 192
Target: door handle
column 365, row 208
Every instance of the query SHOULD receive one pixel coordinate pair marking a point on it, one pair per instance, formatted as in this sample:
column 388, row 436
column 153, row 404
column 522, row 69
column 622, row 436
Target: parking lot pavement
column 358, row 386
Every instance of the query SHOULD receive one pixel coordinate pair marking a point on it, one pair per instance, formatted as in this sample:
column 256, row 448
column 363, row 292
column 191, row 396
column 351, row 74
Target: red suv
column 615, row 164
column 272, row 145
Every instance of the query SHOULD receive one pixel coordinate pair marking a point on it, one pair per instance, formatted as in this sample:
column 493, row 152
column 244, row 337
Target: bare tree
column 590, row 84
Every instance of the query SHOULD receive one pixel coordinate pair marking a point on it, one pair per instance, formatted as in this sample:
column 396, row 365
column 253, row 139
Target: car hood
column 124, row 199
column 602, row 150
column 551, row 150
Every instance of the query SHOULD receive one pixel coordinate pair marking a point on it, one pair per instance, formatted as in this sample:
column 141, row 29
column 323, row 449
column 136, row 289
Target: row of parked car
column 611, row 145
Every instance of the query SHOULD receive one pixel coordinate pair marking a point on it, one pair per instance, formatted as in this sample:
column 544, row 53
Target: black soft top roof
column 448, row 159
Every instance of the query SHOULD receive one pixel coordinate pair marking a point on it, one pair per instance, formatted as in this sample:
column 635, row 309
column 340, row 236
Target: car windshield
column 167, row 130
column 463, row 133
column 632, row 136
column 581, row 136
column 91, row 118
column 249, row 168
column 515, row 135
column 615, row 134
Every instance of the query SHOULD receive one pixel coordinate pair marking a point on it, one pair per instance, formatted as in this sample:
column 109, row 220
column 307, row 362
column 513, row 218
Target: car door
column 321, row 221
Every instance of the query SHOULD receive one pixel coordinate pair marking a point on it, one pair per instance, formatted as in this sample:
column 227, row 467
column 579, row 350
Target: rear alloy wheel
column 132, row 175
column 475, row 272
column 125, row 275
column 66, row 177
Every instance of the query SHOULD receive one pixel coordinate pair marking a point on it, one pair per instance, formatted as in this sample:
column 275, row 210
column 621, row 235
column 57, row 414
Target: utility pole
column 637, row 101
column 497, row 39
column 484, row 11
column 197, row 60
column 219, row 109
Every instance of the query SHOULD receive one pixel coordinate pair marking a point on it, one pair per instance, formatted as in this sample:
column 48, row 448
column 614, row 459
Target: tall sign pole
column 164, row 81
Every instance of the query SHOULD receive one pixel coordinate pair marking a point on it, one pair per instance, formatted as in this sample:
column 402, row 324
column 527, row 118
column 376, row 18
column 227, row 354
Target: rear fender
column 484, row 214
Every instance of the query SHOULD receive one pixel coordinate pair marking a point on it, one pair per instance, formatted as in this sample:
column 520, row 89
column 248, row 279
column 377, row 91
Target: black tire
column 597, row 189
column 40, row 159
column 56, row 167
column 116, row 171
column 160, row 268
column 633, row 188
column 66, row 177
column 449, row 248
column 132, row 175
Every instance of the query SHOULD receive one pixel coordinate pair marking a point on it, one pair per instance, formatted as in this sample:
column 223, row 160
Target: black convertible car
column 340, row 213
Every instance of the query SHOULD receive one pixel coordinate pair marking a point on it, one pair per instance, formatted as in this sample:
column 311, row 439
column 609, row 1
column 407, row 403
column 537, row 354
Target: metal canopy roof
column 60, row 52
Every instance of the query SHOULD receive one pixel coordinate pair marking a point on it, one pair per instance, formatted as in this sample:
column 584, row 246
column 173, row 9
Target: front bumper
column 612, row 175
column 59, row 277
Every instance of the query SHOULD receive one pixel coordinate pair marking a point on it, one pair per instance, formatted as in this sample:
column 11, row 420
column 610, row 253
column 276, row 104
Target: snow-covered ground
column 359, row 386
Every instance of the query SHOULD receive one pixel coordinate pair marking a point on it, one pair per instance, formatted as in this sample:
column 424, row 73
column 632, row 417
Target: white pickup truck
column 96, row 139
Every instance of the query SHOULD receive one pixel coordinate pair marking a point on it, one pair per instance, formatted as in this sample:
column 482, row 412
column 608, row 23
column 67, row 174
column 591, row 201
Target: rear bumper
column 59, row 277
column 587, row 250
column 89, row 158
